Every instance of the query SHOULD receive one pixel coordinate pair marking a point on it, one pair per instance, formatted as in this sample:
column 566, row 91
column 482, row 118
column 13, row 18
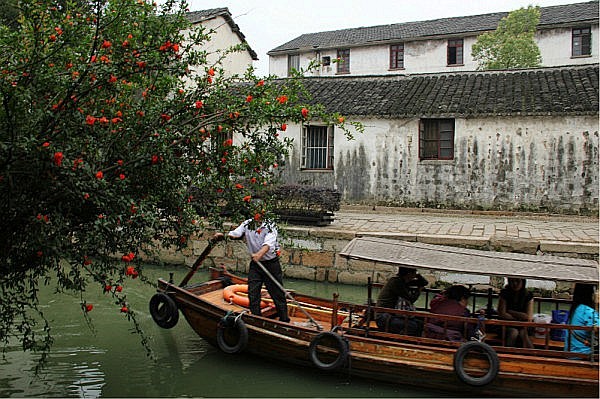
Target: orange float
column 231, row 294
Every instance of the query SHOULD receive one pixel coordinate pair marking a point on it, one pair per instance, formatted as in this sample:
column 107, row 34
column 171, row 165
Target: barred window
column 317, row 147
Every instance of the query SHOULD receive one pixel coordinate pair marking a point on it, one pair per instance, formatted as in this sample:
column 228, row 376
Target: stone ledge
column 569, row 247
column 466, row 241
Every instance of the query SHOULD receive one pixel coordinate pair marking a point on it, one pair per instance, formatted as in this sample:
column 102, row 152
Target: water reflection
column 111, row 362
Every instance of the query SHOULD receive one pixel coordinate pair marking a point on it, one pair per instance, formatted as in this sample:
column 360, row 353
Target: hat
column 419, row 281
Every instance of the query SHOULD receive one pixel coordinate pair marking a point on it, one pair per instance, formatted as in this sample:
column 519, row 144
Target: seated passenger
column 583, row 312
column 516, row 303
column 453, row 301
column 401, row 292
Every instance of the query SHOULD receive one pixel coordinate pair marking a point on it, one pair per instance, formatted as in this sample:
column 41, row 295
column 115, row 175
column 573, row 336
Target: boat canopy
column 471, row 261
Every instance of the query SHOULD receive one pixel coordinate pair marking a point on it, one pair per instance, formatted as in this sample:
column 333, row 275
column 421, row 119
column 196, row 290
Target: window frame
column 435, row 129
column 579, row 33
column 396, row 62
column 296, row 57
column 325, row 162
column 343, row 66
column 455, row 44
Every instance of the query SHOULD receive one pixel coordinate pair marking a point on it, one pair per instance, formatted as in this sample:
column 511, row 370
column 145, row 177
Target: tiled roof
column 550, row 16
column 571, row 90
column 196, row 17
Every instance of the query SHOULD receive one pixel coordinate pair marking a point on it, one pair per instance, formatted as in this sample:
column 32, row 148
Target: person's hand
column 257, row 256
column 218, row 237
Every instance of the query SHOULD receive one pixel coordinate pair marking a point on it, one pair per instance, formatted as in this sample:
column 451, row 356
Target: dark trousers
column 256, row 278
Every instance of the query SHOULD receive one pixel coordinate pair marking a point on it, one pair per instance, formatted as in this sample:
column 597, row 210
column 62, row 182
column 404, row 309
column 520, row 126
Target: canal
column 106, row 359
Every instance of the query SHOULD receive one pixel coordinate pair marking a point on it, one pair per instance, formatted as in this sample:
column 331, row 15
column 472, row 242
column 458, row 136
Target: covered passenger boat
column 335, row 336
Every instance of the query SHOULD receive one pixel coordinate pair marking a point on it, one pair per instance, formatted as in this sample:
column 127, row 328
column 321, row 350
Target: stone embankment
column 311, row 252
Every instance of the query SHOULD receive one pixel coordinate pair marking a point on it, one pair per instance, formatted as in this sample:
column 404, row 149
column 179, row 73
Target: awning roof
column 471, row 261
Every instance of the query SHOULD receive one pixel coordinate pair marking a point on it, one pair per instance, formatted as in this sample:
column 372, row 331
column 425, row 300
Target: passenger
column 516, row 303
column 453, row 302
column 401, row 292
column 583, row 312
column 263, row 247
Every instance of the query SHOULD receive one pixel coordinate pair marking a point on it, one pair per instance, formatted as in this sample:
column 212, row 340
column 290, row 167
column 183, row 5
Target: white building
column 566, row 35
column 225, row 34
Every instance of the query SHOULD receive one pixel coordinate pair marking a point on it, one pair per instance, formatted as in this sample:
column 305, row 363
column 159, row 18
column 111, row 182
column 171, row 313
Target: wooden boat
column 335, row 336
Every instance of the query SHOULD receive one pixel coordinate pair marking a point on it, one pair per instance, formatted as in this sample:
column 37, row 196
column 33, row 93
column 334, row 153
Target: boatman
column 263, row 247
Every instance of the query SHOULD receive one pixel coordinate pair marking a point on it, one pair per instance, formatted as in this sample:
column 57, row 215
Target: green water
column 110, row 361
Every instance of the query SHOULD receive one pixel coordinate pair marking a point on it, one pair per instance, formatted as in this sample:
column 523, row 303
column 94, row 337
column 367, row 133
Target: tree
column 512, row 45
column 111, row 124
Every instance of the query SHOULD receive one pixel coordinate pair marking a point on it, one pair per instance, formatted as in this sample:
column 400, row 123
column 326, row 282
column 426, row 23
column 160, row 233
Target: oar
column 287, row 294
column 201, row 258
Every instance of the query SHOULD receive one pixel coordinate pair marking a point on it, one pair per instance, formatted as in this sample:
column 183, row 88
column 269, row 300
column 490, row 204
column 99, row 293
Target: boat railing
column 495, row 330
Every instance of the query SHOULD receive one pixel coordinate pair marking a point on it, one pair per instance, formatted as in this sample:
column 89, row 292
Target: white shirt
column 256, row 239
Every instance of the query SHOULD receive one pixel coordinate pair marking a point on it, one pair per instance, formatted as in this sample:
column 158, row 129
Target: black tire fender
column 341, row 345
column 487, row 351
column 236, row 323
column 163, row 310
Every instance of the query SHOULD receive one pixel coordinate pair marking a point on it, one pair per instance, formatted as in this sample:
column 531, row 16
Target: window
column 343, row 66
column 455, row 52
column 293, row 63
column 317, row 147
column 397, row 56
column 436, row 139
column 582, row 42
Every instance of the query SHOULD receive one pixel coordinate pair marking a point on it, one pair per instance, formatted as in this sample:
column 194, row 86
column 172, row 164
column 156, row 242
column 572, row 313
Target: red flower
column 120, row 162
column 253, row 180
column 52, row 38
column 341, row 119
column 304, row 112
column 282, row 99
column 228, row 143
column 128, row 258
column 257, row 217
column 107, row 288
column 211, row 72
column 260, row 83
column 239, row 186
column 90, row 120
column 283, row 127
column 165, row 117
column 199, row 104
column 118, row 288
column 58, row 158
column 133, row 209
column 249, row 98
column 112, row 79
column 89, row 307
column 247, row 198
column 106, row 44
column 58, row 30
column 46, row 144
column 175, row 47
column 131, row 272
column 39, row 254
column 99, row 175
column 103, row 120
column 154, row 159
column 122, row 176
column 141, row 64
column 209, row 80
column 86, row 196
column 86, row 261
column 124, row 309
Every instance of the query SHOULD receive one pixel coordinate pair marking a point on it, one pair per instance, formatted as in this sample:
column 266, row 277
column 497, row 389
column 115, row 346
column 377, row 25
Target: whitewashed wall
column 235, row 63
column 429, row 56
column 516, row 163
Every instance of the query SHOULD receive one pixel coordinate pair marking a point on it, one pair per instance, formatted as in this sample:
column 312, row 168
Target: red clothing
column 442, row 305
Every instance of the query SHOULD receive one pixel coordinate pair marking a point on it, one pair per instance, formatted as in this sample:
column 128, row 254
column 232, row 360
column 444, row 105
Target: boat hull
column 403, row 363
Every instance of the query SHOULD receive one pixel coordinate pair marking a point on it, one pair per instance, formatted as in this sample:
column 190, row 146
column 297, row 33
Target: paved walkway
column 527, row 233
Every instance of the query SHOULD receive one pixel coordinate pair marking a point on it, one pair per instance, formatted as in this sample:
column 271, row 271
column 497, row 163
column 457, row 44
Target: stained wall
column 545, row 163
